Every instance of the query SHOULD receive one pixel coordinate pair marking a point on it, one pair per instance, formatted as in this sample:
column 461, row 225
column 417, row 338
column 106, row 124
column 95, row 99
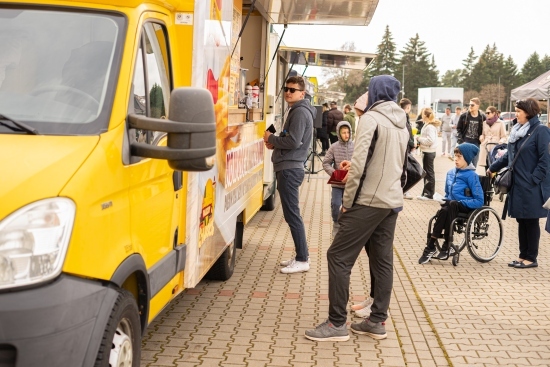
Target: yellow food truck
column 128, row 170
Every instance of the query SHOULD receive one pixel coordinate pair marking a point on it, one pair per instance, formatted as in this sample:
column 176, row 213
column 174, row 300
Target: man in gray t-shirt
column 446, row 131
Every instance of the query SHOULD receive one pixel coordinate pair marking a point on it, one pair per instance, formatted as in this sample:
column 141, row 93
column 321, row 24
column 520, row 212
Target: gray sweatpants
column 361, row 226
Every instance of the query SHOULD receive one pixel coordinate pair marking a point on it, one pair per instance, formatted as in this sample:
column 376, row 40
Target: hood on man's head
column 383, row 88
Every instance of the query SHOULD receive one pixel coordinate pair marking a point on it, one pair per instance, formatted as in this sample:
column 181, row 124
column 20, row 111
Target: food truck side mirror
column 191, row 129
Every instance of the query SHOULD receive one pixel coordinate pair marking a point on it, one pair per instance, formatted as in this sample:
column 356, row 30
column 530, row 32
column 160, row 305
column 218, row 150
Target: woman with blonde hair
column 493, row 133
column 428, row 144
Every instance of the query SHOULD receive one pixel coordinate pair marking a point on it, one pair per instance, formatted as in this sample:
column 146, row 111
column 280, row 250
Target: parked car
column 544, row 118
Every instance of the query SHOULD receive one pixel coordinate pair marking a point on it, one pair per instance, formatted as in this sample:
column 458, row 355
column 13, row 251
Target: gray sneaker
column 376, row 330
column 328, row 332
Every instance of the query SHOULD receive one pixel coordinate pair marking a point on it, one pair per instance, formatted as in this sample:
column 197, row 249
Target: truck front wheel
column 121, row 343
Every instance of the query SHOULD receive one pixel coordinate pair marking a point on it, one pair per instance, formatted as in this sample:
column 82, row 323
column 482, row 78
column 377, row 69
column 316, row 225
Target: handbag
column 504, row 180
column 415, row 172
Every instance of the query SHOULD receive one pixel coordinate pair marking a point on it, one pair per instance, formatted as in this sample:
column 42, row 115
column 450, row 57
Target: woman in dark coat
column 531, row 179
column 322, row 134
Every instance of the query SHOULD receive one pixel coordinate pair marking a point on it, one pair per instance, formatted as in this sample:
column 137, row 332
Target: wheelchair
column 480, row 231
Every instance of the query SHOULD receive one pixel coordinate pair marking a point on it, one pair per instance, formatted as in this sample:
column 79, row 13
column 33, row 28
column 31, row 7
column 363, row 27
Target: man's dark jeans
column 362, row 226
column 288, row 184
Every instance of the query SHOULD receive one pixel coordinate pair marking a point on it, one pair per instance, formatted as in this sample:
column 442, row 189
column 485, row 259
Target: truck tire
column 121, row 343
column 269, row 203
column 223, row 268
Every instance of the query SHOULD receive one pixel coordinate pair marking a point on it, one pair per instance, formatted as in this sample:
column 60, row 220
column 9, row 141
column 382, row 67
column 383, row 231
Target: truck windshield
column 58, row 68
column 441, row 106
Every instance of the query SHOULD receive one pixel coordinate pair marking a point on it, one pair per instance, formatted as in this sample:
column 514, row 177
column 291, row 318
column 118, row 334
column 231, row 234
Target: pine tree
column 488, row 68
column 386, row 60
column 509, row 79
column 452, row 78
column 468, row 63
column 545, row 61
column 157, row 101
column 419, row 72
column 532, row 68
column 434, row 73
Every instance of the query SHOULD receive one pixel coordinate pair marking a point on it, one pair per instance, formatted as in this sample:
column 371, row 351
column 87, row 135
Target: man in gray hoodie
column 290, row 150
column 372, row 198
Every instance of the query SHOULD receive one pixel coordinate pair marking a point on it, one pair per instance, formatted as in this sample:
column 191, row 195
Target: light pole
column 499, row 92
column 403, row 83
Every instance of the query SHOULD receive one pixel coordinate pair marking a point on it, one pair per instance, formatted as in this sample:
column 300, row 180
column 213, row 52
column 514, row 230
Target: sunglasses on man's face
column 472, row 104
column 488, row 112
column 292, row 90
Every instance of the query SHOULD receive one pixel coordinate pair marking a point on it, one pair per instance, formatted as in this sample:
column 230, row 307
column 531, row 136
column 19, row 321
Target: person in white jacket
column 428, row 144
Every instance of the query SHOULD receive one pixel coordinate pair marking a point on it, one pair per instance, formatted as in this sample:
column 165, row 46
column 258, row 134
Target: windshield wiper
column 20, row 125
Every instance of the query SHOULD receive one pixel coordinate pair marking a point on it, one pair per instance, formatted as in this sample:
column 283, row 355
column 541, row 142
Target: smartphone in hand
column 271, row 129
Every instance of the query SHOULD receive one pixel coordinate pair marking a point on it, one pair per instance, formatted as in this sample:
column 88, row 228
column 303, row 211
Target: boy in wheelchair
column 463, row 194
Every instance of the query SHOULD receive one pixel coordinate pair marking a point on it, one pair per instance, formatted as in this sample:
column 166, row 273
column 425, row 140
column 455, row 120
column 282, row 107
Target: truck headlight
column 34, row 241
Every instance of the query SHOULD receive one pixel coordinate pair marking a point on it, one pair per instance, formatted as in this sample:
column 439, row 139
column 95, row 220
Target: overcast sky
column 448, row 27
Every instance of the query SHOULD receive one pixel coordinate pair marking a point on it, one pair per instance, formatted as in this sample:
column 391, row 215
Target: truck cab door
column 153, row 184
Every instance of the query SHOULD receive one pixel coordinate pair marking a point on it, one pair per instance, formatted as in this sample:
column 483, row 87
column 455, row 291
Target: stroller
column 494, row 152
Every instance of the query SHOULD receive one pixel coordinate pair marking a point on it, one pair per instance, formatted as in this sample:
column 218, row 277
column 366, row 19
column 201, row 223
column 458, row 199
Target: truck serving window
column 58, row 68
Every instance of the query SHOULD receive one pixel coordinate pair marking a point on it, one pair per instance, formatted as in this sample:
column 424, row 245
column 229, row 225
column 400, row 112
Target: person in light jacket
column 428, row 144
column 373, row 198
column 446, row 132
column 493, row 133
column 338, row 152
column 530, row 179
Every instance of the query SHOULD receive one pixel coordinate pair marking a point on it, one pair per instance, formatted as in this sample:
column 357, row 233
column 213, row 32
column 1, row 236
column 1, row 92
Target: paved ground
column 473, row 314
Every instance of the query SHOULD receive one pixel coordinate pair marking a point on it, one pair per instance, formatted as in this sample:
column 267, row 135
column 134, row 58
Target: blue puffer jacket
column 458, row 180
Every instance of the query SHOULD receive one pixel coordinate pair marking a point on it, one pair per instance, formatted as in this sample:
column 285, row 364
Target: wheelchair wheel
column 484, row 234
column 459, row 235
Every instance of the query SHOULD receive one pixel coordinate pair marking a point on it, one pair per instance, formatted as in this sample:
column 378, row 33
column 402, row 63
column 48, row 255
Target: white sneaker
column 366, row 303
column 289, row 261
column 423, row 198
column 364, row 312
column 407, row 196
column 296, row 267
column 286, row 262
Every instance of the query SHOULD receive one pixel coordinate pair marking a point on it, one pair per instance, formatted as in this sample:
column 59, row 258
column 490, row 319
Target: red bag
column 337, row 177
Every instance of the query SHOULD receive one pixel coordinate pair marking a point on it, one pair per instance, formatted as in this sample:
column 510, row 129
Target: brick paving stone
column 477, row 312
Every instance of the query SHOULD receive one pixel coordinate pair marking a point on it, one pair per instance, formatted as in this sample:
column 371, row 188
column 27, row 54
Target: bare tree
column 469, row 94
column 337, row 78
column 492, row 94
